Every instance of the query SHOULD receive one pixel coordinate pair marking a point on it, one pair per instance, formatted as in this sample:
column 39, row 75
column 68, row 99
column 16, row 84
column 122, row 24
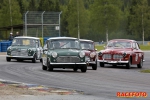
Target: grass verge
column 145, row 71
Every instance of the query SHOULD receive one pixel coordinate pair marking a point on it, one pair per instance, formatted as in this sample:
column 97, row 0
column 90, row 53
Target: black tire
column 40, row 60
column 83, row 68
column 50, row 67
column 140, row 65
column 128, row 65
column 101, row 64
column 34, row 59
column 94, row 66
column 8, row 59
column 44, row 67
column 75, row 69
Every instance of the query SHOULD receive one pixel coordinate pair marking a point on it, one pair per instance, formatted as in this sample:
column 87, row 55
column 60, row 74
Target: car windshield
column 24, row 42
column 119, row 44
column 64, row 43
column 87, row 45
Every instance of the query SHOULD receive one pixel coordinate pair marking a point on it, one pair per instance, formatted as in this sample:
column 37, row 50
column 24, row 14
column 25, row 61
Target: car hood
column 112, row 51
column 65, row 52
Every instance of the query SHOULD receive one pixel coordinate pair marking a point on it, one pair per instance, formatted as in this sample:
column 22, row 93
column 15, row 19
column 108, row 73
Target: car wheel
column 140, row 65
column 75, row 69
column 40, row 60
column 101, row 64
column 34, row 59
column 128, row 65
column 50, row 67
column 44, row 67
column 8, row 59
column 94, row 66
column 83, row 68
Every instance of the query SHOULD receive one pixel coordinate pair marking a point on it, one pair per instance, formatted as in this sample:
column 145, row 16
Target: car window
column 24, row 42
column 137, row 46
column 64, row 43
column 134, row 45
column 45, row 46
column 119, row 44
column 87, row 45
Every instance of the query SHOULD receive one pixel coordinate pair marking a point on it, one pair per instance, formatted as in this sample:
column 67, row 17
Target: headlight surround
column 54, row 54
column 92, row 55
column 82, row 54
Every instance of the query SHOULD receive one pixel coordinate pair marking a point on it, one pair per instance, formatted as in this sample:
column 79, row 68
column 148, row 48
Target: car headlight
column 82, row 54
column 100, row 54
column 9, row 49
column 54, row 54
column 29, row 50
column 124, row 54
column 92, row 55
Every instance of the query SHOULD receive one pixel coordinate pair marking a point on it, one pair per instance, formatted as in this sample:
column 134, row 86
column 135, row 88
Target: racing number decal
column 136, row 57
column 38, row 52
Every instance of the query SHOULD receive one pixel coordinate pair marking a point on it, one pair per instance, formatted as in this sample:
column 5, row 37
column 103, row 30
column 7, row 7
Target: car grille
column 69, row 59
column 19, row 53
column 117, row 56
column 107, row 56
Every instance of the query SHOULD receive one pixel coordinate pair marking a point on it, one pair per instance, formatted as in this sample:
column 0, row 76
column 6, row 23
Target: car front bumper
column 82, row 63
column 19, row 57
column 113, row 62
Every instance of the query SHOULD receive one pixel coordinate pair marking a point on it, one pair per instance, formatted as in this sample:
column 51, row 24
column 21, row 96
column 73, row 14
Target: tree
column 105, row 15
column 33, row 5
column 77, row 18
column 139, row 19
column 49, row 5
column 10, row 13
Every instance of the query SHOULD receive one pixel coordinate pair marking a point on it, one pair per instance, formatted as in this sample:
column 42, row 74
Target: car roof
column 123, row 40
column 28, row 37
column 61, row 38
column 86, row 40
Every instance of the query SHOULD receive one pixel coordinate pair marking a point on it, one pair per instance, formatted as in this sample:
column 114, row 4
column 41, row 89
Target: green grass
column 142, row 47
column 145, row 71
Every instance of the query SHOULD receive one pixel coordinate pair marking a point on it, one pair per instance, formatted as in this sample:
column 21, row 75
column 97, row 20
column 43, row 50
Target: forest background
column 94, row 19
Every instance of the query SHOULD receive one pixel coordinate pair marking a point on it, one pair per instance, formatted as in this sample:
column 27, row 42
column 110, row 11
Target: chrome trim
column 66, row 63
column 112, row 62
column 19, row 56
column 91, row 62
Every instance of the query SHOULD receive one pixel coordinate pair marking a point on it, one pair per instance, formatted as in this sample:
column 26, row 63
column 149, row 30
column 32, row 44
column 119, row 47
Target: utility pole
column 78, row 19
column 10, row 16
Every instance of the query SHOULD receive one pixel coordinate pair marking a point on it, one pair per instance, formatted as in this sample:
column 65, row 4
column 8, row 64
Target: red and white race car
column 88, row 47
column 121, row 52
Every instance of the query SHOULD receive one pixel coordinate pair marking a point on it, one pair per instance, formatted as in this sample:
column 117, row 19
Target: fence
column 41, row 24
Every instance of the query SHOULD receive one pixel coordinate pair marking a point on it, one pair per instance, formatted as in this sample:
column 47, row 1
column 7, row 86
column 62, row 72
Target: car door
column 136, row 54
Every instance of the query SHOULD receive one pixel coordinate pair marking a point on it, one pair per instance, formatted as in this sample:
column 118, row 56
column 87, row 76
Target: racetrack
column 104, row 82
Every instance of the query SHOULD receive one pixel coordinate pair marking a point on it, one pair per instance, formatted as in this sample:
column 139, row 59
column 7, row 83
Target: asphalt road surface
column 101, row 83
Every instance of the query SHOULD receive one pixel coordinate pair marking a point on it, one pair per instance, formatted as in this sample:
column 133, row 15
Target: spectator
column 102, row 42
column 17, row 34
column 11, row 37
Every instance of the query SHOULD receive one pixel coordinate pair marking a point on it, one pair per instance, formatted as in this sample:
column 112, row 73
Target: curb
column 38, row 88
